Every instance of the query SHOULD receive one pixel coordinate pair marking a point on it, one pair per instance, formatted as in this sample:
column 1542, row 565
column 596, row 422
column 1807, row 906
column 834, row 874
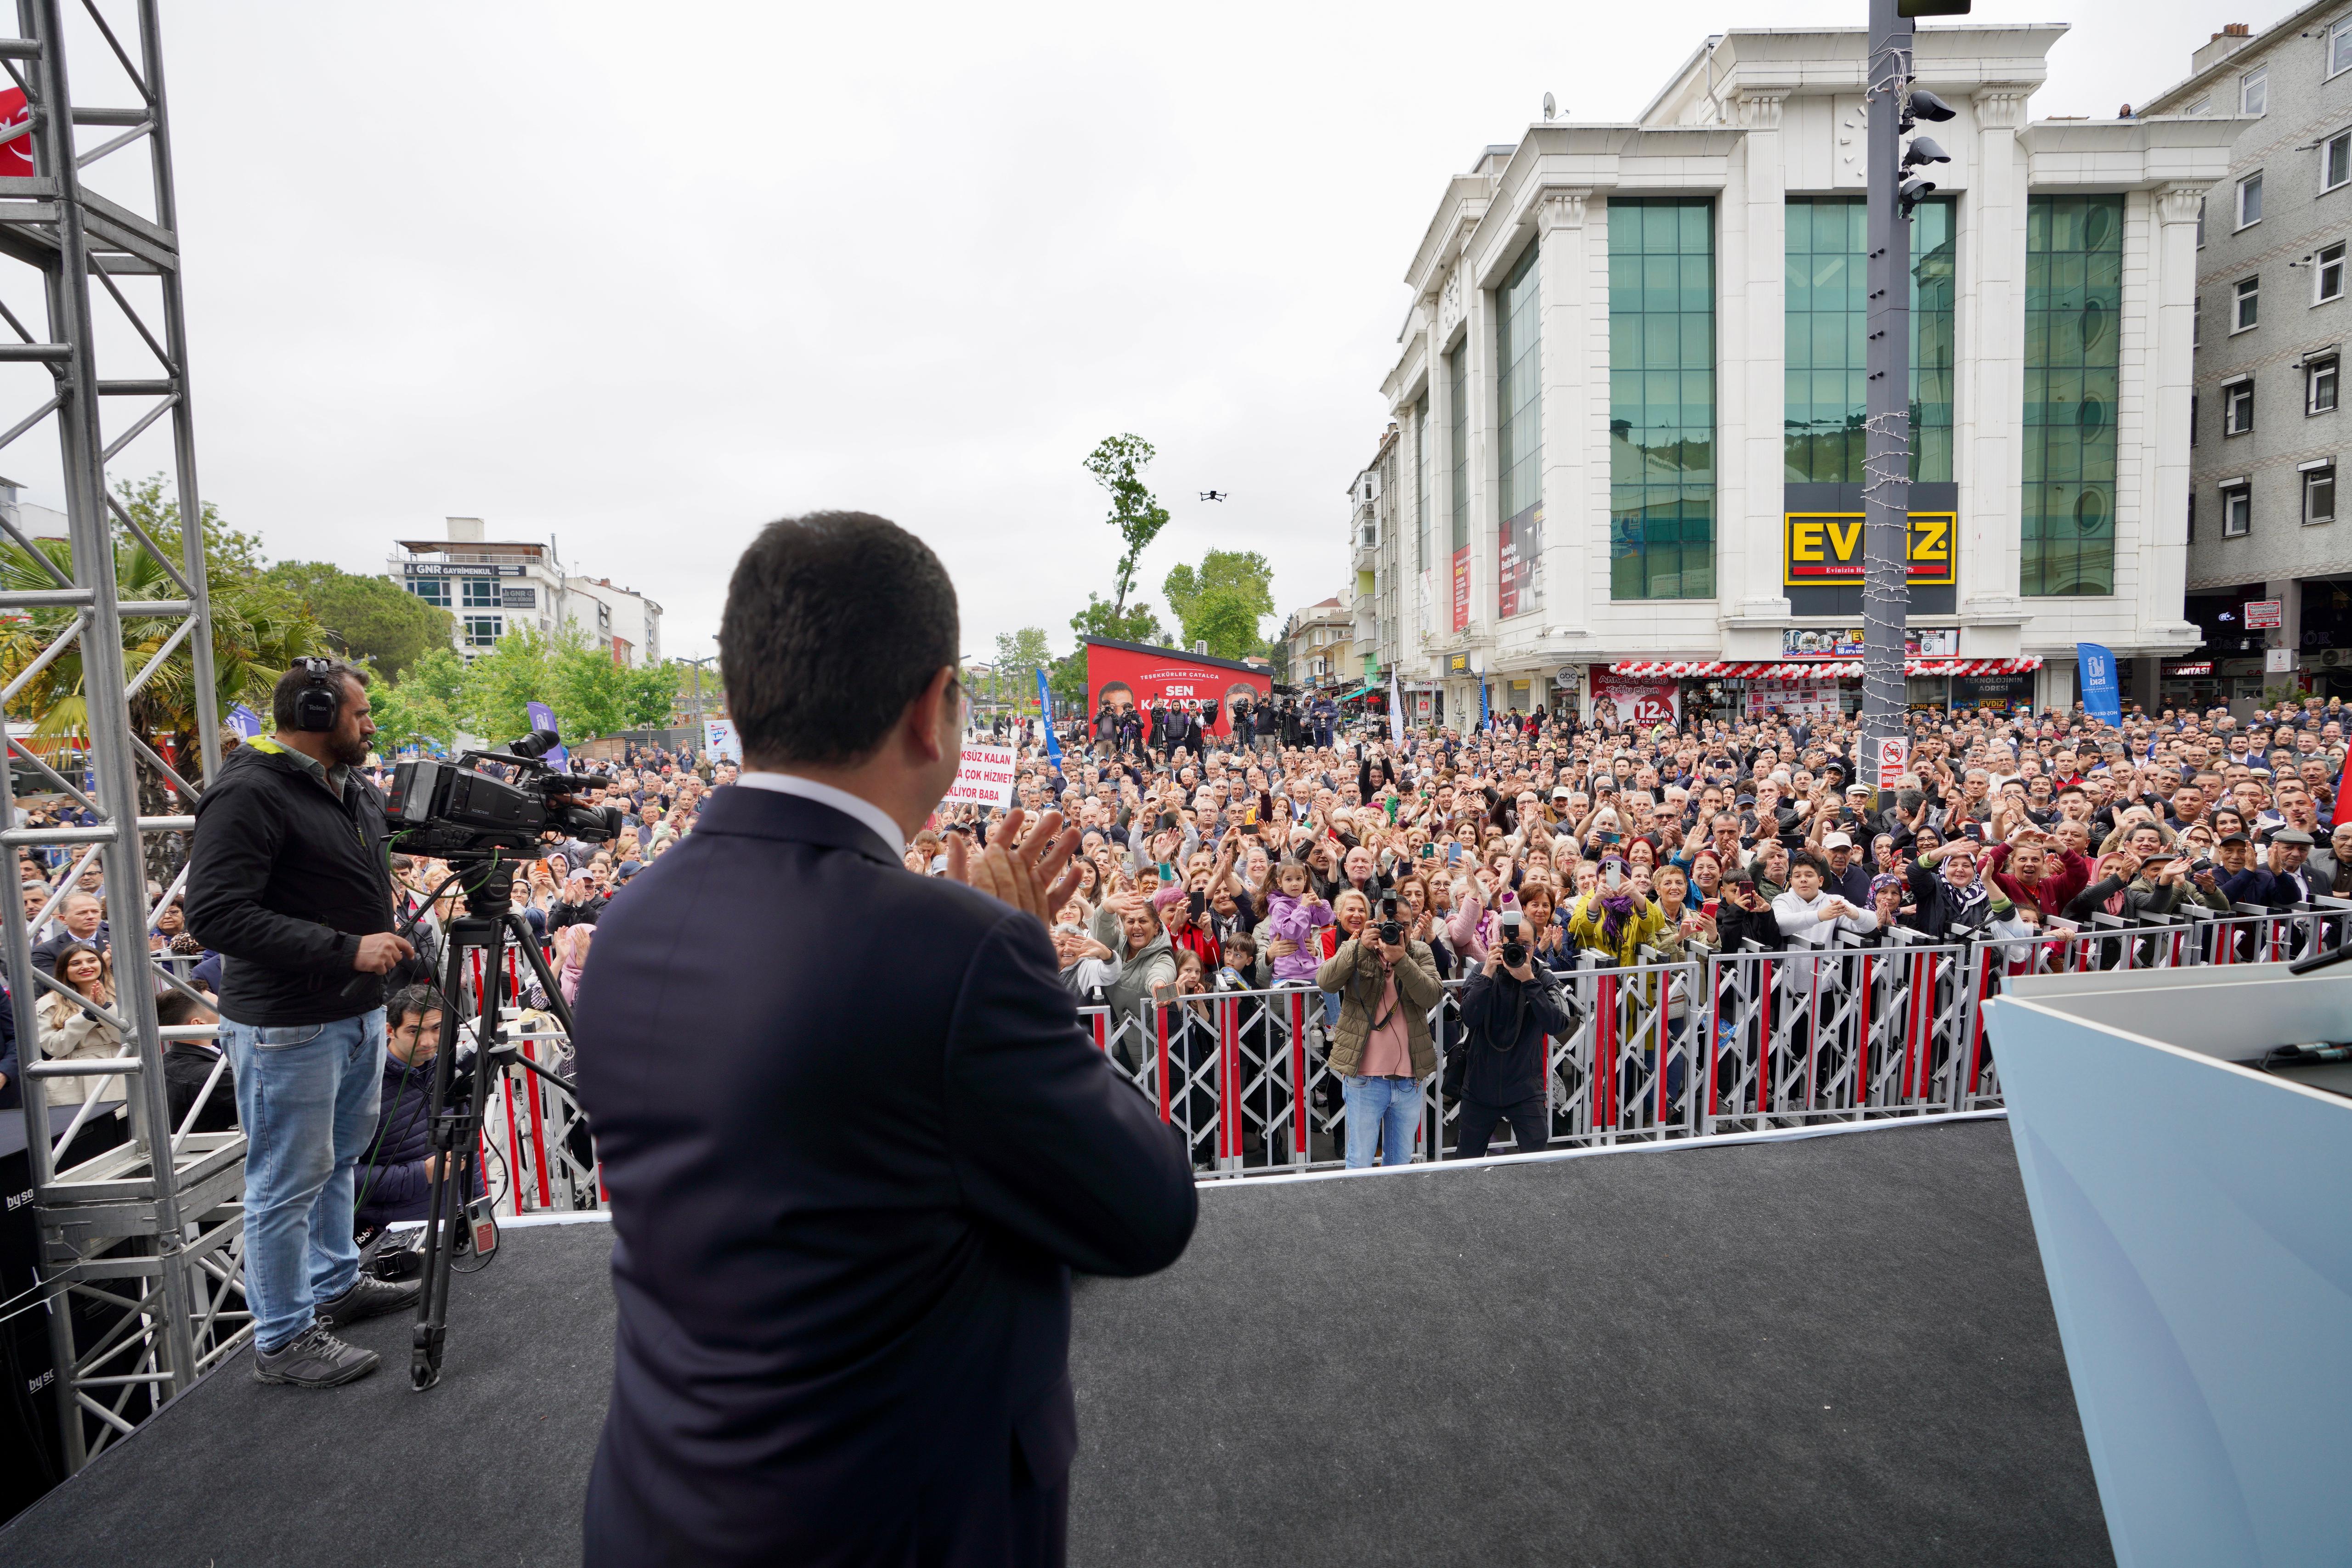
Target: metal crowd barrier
column 1873, row 1028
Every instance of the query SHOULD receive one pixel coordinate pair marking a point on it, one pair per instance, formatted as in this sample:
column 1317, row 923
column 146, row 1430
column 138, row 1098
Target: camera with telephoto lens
column 453, row 810
column 1515, row 952
column 1391, row 928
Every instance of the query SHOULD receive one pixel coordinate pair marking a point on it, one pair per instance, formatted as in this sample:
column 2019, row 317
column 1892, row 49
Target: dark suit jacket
column 854, row 1140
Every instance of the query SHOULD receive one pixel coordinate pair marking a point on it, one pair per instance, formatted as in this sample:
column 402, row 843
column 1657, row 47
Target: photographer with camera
column 289, row 880
column 1381, row 1049
column 1500, row 1073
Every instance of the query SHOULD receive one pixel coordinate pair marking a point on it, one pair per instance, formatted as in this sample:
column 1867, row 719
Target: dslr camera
column 454, row 810
column 1391, row 928
column 1515, row 951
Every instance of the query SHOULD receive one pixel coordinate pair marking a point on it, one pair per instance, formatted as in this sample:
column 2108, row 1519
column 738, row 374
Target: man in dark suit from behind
column 854, row 1136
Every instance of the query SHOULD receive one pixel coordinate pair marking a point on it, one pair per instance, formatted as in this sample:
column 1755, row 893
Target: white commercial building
column 491, row 586
column 620, row 619
column 1629, row 393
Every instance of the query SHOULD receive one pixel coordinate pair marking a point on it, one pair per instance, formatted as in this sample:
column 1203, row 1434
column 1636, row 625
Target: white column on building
column 1989, row 421
column 1572, row 495
column 1752, row 408
column 1478, row 308
column 2163, row 528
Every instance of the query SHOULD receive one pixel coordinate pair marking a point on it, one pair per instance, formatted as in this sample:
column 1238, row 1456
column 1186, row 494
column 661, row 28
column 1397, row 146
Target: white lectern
column 2195, row 1221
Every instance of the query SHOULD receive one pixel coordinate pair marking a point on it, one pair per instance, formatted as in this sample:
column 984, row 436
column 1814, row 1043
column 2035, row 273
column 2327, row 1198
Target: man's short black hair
column 173, row 1009
column 410, row 1002
column 290, row 683
column 835, row 623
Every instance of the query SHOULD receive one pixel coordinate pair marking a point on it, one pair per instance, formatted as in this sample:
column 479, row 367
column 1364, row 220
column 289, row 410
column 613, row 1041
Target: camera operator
column 289, row 880
column 1500, row 1071
column 1382, row 1051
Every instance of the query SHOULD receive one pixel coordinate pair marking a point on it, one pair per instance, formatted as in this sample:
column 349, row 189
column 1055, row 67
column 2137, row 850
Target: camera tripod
column 455, row 1133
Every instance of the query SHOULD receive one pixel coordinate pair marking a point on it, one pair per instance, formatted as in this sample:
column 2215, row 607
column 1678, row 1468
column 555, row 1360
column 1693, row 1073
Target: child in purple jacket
column 1293, row 913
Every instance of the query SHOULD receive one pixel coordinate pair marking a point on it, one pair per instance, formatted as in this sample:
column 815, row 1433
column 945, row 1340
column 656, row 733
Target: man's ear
column 923, row 716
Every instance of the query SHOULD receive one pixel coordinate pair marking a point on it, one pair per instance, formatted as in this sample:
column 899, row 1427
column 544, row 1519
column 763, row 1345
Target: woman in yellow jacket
column 1615, row 919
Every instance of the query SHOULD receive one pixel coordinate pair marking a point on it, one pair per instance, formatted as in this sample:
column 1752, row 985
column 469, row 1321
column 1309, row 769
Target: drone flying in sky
column 1215, row 495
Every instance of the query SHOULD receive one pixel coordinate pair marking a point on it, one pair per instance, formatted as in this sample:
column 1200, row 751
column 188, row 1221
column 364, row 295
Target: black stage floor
column 1826, row 1351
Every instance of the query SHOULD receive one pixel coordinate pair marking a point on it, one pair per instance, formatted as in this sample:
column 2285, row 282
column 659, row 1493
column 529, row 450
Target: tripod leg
column 455, row 1135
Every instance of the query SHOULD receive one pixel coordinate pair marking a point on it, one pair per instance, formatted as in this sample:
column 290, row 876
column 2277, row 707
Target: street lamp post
column 698, row 664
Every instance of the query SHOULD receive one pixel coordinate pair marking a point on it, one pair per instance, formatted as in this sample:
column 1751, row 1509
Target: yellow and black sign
column 1458, row 663
column 1824, row 548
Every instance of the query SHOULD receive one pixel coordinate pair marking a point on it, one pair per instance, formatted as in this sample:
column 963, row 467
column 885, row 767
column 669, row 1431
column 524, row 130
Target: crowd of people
column 1253, row 861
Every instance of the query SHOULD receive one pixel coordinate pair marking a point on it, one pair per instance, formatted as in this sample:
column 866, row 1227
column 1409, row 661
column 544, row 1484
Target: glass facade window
column 431, row 589
column 483, row 631
column 2073, row 294
column 1518, row 421
column 1661, row 399
column 482, row 593
column 1824, row 331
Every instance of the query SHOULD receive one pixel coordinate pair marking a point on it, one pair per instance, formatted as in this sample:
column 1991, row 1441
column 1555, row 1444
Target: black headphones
column 320, row 701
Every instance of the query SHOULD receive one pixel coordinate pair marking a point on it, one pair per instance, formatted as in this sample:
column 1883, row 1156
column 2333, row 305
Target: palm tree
column 258, row 630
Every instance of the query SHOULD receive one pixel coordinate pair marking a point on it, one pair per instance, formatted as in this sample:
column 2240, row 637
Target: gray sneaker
column 368, row 1298
column 314, row 1358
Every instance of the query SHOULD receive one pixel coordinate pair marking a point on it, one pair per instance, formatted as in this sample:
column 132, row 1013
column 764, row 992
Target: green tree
column 593, row 696
column 1019, row 656
column 1134, row 625
column 230, row 555
column 423, row 703
column 374, row 620
column 1116, row 464
column 493, row 699
column 1221, row 603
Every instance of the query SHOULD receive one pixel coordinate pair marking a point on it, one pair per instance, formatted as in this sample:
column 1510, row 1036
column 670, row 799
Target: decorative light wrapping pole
column 1894, row 106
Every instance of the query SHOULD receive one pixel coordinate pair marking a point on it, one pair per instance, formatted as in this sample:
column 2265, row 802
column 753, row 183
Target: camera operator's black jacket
column 284, row 880
column 1501, row 1061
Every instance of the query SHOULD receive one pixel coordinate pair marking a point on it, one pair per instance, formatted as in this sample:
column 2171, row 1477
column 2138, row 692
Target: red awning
column 1817, row 669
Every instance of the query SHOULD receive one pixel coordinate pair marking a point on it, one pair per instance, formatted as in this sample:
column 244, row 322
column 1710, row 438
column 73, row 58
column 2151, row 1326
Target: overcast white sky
column 644, row 278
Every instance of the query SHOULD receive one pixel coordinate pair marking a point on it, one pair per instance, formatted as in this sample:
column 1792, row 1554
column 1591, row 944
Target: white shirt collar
column 842, row 801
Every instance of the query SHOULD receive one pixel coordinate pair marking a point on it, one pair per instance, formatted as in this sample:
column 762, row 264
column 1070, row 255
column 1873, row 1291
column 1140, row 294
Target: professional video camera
column 447, row 810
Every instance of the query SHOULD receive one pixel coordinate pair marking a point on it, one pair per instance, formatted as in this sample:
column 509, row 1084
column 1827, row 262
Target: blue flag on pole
column 244, row 722
column 2102, row 693
column 543, row 717
column 1045, row 718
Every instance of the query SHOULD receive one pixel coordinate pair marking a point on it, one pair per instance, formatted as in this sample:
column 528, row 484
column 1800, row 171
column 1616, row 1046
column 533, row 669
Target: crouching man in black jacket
column 1505, row 1068
column 289, row 880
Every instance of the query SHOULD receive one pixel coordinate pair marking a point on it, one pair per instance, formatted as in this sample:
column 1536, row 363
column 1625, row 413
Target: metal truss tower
column 140, row 1243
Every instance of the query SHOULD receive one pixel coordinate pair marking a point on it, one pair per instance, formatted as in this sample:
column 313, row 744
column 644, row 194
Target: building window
column 2237, row 407
column 2319, row 493
column 2328, row 275
column 2192, row 517
column 1420, row 484
column 484, row 630
column 2250, row 200
column 2197, row 321
column 481, row 593
column 2339, row 47
column 2200, row 223
column 1518, row 433
column 431, row 589
column 518, row 598
column 1457, row 380
column 2245, row 310
column 2203, row 106
column 1662, row 399
column 2237, row 510
column 2320, row 386
column 1823, row 331
column 2073, row 291
column 2255, row 91
column 2335, row 160
column 2192, row 419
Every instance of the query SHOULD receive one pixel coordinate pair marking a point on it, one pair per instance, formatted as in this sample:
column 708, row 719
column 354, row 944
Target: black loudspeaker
column 316, row 704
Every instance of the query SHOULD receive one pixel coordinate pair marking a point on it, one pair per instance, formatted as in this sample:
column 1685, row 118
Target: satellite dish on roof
column 1551, row 107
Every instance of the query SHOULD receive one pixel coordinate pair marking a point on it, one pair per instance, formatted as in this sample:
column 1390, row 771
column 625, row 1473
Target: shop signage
column 1811, row 699
column 2186, row 667
column 1824, row 548
column 1992, row 691
column 1458, row 663
column 1637, row 699
column 2278, row 660
column 2265, row 614
column 455, row 569
column 1461, row 589
column 1845, row 642
column 1518, row 544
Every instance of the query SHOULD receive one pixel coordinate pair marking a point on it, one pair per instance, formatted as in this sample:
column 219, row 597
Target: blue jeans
column 306, row 1094
column 1382, row 1109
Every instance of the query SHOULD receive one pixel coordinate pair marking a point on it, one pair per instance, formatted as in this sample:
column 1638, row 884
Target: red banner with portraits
column 1131, row 676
